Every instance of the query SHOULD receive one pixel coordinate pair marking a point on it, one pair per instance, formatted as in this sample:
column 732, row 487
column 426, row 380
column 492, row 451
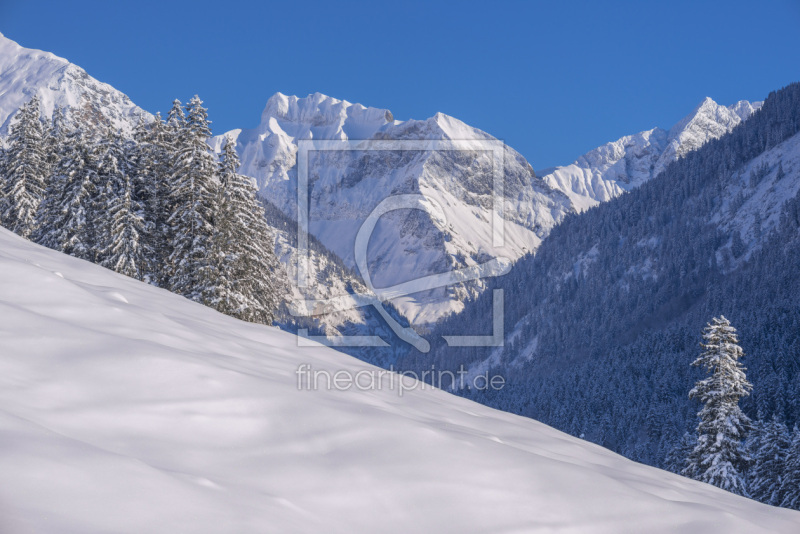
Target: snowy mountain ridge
column 351, row 186
column 25, row 72
column 619, row 166
column 126, row 408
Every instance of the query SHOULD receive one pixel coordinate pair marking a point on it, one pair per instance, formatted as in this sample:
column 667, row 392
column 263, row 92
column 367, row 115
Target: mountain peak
column 707, row 101
column 708, row 109
column 744, row 108
column 27, row 72
column 707, row 121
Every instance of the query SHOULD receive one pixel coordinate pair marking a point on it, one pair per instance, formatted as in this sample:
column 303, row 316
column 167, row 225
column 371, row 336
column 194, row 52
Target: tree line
column 158, row 205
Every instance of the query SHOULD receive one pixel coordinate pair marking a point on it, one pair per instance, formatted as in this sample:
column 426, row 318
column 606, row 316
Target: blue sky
column 552, row 79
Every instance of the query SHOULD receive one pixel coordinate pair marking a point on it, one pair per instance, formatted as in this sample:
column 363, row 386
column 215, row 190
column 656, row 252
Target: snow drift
column 128, row 409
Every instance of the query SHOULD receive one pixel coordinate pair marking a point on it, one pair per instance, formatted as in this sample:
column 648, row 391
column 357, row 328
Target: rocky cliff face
column 454, row 228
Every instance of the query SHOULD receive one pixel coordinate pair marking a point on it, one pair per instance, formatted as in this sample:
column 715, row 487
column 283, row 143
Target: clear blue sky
column 552, row 79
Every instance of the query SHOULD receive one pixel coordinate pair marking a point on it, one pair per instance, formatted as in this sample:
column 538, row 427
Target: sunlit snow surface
column 127, row 409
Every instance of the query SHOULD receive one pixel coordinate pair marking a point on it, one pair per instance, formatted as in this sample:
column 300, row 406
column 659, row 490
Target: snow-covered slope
column 628, row 162
column 752, row 200
column 346, row 186
column 25, row 72
column 129, row 409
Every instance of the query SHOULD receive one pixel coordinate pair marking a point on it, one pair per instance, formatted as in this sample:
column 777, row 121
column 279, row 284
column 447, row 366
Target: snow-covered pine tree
column 72, row 229
column 151, row 191
column 250, row 275
column 753, row 441
column 26, row 171
column 769, row 462
column 193, row 195
column 173, row 140
column 790, row 482
column 124, row 253
column 121, row 225
column 176, row 117
column 55, row 137
column 719, row 458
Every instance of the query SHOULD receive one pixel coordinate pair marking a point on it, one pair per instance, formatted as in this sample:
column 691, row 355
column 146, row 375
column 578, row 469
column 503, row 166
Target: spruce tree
column 26, row 171
column 54, row 140
column 173, row 140
column 55, row 136
column 193, row 195
column 769, row 462
column 719, row 458
column 151, row 191
column 790, row 482
column 73, row 228
column 176, row 117
column 250, row 276
column 121, row 227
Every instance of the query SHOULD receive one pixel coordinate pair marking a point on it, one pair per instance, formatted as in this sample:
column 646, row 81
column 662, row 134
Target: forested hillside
column 603, row 322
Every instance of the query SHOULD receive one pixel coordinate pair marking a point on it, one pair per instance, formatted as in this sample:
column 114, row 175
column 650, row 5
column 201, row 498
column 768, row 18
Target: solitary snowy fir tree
column 249, row 273
column 719, row 458
column 25, row 169
column 193, row 197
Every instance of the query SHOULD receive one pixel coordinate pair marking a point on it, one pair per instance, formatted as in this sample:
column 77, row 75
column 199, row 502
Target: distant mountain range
column 346, row 187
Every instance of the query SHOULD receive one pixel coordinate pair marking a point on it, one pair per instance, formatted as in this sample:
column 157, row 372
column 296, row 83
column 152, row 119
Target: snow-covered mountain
column 621, row 165
column 25, row 72
column 124, row 408
column 753, row 199
column 346, row 186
